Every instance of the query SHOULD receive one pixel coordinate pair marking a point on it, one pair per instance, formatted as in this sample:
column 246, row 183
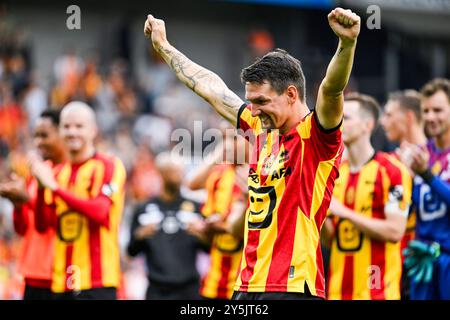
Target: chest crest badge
column 268, row 162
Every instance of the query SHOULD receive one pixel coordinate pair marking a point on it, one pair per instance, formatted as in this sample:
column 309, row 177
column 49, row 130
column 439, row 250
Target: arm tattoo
column 200, row 80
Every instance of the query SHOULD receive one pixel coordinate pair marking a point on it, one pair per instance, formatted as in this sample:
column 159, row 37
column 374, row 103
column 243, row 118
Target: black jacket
column 171, row 252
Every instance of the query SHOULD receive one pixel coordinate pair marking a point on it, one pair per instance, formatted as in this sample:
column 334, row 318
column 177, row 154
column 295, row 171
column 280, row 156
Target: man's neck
column 415, row 135
column 83, row 155
column 301, row 111
column 359, row 153
column 443, row 141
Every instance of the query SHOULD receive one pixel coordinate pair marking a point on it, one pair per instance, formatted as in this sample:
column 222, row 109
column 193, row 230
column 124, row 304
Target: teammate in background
column 370, row 207
column 224, row 178
column 159, row 230
column 36, row 256
column 402, row 118
column 403, row 123
column 85, row 207
column 429, row 257
column 295, row 159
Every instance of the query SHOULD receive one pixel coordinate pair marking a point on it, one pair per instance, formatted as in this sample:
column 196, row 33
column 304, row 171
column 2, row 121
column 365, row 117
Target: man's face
column 46, row 138
column 354, row 126
column 77, row 130
column 172, row 176
column 271, row 108
column 394, row 121
column 436, row 114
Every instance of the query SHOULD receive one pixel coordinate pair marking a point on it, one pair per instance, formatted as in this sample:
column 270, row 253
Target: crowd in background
column 127, row 114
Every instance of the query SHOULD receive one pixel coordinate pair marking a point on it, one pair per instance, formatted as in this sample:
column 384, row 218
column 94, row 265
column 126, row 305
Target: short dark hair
column 408, row 100
column 435, row 85
column 52, row 114
column 368, row 104
column 278, row 68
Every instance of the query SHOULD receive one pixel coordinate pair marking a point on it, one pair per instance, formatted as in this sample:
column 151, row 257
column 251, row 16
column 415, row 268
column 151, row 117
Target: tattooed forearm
column 203, row 82
column 339, row 70
column 187, row 71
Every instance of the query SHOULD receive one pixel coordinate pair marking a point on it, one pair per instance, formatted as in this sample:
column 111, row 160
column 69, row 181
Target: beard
column 436, row 131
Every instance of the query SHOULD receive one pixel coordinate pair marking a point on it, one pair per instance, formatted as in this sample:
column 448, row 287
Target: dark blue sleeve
column 442, row 188
column 136, row 246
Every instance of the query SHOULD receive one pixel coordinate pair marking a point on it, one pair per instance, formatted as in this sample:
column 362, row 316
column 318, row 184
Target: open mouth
column 266, row 120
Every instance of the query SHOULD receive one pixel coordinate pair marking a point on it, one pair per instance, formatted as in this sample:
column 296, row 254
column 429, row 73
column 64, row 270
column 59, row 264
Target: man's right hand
column 155, row 30
column 345, row 24
column 415, row 157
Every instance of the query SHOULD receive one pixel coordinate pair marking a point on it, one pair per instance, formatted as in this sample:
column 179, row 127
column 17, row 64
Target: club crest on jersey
column 268, row 162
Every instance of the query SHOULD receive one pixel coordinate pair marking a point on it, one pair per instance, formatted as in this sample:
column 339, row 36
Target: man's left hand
column 44, row 174
column 345, row 24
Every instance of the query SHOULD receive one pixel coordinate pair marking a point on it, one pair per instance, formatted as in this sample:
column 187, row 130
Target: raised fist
column 155, row 30
column 345, row 24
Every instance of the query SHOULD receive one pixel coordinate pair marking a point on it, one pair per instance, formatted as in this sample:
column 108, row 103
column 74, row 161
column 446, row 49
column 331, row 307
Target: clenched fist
column 345, row 24
column 155, row 30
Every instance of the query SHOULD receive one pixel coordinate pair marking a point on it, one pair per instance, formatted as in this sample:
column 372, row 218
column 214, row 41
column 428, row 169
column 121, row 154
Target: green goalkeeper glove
column 419, row 261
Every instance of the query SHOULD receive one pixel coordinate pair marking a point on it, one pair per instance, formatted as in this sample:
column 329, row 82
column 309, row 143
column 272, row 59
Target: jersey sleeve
column 438, row 186
column 109, row 180
column 136, row 246
column 107, row 188
column 400, row 187
column 21, row 219
column 45, row 213
column 328, row 141
column 247, row 125
column 24, row 212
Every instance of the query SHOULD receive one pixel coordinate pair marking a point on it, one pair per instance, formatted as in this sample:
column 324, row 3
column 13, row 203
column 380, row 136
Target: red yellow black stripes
column 358, row 267
column 226, row 250
column 87, row 253
column 290, row 188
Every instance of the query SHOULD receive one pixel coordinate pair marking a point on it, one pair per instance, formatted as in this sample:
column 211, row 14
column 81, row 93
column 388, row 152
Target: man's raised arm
column 346, row 25
column 203, row 82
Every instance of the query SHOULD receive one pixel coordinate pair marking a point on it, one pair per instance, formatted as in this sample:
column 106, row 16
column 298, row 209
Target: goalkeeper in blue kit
column 428, row 256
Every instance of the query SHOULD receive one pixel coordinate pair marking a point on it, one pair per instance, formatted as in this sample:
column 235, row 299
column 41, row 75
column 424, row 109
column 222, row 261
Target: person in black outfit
column 160, row 230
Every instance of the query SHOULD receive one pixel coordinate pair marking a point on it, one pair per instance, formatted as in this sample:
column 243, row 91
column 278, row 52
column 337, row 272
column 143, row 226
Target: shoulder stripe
column 241, row 109
column 109, row 166
column 319, row 125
